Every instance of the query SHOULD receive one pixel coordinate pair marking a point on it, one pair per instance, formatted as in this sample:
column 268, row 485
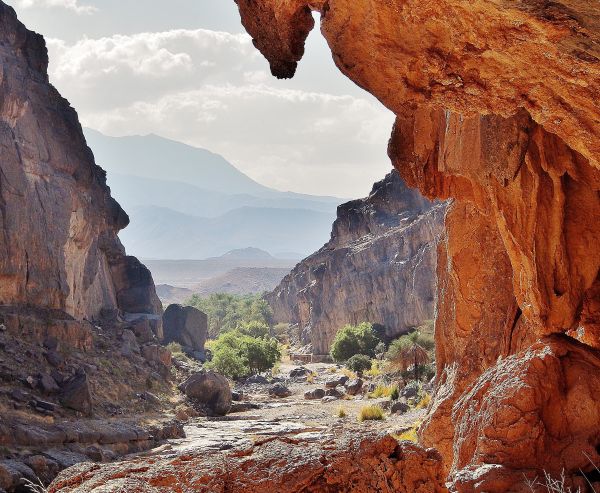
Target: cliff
column 497, row 107
column 59, row 248
column 379, row 266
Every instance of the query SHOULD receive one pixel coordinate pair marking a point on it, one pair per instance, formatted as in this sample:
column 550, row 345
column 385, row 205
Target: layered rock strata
column 378, row 267
column 59, row 248
column 497, row 107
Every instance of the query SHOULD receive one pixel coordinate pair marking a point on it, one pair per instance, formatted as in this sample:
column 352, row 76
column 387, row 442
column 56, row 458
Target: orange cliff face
column 497, row 107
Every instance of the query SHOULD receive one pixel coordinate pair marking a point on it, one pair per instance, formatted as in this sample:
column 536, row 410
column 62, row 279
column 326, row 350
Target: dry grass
column 310, row 378
column 382, row 391
column 350, row 374
column 424, row 402
column 375, row 370
column 409, row 435
column 341, row 413
column 370, row 413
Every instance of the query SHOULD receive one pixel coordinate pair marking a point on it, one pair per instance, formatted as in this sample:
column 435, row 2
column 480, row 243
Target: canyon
column 496, row 106
column 379, row 267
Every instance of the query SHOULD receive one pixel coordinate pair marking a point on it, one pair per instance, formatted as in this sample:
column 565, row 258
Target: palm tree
column 408, row 351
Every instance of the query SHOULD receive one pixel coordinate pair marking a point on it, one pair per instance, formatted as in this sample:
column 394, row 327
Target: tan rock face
column 379, row 267
column 497, row 107
column 58, row 223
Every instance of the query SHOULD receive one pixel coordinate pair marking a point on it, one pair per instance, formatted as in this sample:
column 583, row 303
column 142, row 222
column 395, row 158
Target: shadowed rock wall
column 59, row 248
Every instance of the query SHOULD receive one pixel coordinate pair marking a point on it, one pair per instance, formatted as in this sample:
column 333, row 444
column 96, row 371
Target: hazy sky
column 186, row 70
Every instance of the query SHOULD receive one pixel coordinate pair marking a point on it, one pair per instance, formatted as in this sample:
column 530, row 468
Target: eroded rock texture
column 379, row 267
column 283, row 465
column 58, row 223
column 497, row 107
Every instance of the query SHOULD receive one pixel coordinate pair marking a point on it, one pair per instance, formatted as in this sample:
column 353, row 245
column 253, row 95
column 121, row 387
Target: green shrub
column 228, row 362
column 354, row 339
column 359, row 363
column 238, row 355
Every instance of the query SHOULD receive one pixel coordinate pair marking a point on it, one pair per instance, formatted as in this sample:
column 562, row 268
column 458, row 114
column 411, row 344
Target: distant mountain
column 135, row 191
column 190, row 273
column 242, row 280
column 162, row 233
column 158, row 158
column 247, row 253
column 186, row 202
column 172, row 294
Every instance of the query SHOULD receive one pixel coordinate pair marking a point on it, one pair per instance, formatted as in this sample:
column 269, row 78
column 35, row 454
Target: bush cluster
column 237, row 354
column 354, row 339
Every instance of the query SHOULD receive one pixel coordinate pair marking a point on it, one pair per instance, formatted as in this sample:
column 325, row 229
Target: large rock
column 186, row 325
column 76, row 394
column 364, row 464
column 497, row 107
column 59, row 248
column 381, row 256
column 210, row 389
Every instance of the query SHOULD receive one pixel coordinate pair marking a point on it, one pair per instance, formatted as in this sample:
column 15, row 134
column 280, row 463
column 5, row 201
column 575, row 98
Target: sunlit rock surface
column 497, row 106
column 378, row 267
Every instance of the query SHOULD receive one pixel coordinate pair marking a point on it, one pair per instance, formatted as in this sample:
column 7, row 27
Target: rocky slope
column 379, row 266
column 497, row 106
column 76, row 313
column 58, row 248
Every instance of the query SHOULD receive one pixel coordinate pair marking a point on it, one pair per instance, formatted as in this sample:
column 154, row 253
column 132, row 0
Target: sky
column 189, row 72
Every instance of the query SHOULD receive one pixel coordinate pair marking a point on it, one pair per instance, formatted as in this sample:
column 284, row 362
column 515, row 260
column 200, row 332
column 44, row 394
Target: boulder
column 280, row 390
column 259, row 379
column 353, row 387
column 314, row 394
column 299, row 372
column 332, row 383
column 185, row 325
column 399, row 407
column 47, row 384
column 210, row 389
column 76, row 394
column 130, row 344
column 334, row 393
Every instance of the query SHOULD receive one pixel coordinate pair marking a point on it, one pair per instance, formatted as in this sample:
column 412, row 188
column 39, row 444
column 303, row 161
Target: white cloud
column 212, row 90
column 66, row 4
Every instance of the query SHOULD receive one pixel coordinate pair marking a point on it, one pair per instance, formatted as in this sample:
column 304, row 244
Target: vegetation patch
column 383, row 391
column 354, row 339
column 370, row 413
column 237, row 355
